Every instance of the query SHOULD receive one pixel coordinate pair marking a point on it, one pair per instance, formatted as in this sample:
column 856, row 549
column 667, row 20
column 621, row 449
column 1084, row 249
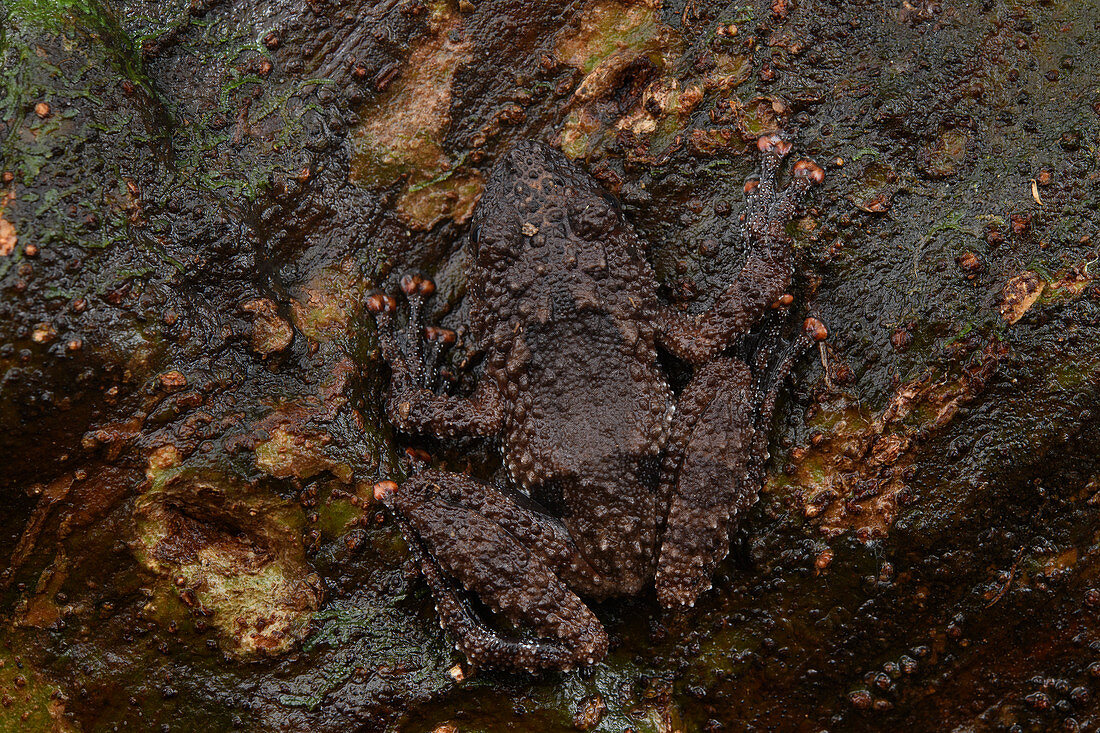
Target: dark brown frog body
column 616, row 483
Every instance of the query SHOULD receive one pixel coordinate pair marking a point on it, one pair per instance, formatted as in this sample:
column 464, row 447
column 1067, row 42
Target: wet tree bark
column 195, row 200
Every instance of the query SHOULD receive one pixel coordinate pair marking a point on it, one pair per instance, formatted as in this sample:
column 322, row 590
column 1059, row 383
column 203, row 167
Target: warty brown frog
column 615, row 482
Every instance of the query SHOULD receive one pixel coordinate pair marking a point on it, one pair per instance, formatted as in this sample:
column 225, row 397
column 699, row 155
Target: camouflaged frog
column 615, row 482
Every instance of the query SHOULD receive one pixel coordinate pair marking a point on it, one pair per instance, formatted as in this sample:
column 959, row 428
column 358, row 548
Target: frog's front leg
column 412, row 405
column 515, row 559
column 766, row 276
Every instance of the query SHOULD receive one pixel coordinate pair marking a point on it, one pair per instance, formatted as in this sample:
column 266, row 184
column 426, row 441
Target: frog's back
column 584, row 402
column 563, row 299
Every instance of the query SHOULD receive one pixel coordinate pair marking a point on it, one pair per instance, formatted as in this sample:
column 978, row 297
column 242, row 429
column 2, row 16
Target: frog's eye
column 611, row 201
column 475, row 234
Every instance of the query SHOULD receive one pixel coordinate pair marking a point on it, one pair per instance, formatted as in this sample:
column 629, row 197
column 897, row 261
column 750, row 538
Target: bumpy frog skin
column 615, row 482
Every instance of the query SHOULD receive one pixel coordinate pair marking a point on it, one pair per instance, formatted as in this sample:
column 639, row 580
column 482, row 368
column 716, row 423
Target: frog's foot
column 769, row 209
column 771, row 368
column 413, row 351
column 766, row 275
column 704, row 478
column 465, row 531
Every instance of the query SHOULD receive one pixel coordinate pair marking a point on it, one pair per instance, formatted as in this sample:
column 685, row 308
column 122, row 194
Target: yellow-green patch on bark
column 232, row 553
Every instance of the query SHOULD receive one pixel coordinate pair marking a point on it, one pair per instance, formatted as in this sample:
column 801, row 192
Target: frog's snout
column 529, row 160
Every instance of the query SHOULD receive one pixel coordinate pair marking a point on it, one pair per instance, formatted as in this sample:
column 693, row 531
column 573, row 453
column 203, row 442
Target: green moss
column 337, row 516
column 55, row 14
column 92, row 21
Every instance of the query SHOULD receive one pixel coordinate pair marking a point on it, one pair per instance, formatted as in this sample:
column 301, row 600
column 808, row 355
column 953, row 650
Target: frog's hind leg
column 714, row 466
column 467, row 531
column 705, row 483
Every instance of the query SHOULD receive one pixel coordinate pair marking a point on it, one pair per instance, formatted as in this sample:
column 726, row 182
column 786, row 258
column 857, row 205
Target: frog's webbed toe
column 704, row 480
column 467, row 533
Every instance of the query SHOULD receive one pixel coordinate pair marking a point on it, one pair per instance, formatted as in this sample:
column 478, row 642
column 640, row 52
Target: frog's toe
column 385, row 492
column 444, row 336
column 679, row 582
column 773, row 144
column 414, row 284
column 815, row 329
column 809, row 170
column 380, row 303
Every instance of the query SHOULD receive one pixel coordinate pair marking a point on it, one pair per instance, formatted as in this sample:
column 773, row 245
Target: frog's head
column 536, row 197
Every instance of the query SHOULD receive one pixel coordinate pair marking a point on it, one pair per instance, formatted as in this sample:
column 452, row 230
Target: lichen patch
column 855, row 477
column 271, row 333
column 402, row 134
column 322, row 309
column 1023, row 291
column 8, row 237
column 635, row 85
column 610, row 36
column 1019, row 294
column 231, row 553
column 296, row 454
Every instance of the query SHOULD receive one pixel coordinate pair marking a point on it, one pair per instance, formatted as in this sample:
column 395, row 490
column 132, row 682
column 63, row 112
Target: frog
column 614, row 483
